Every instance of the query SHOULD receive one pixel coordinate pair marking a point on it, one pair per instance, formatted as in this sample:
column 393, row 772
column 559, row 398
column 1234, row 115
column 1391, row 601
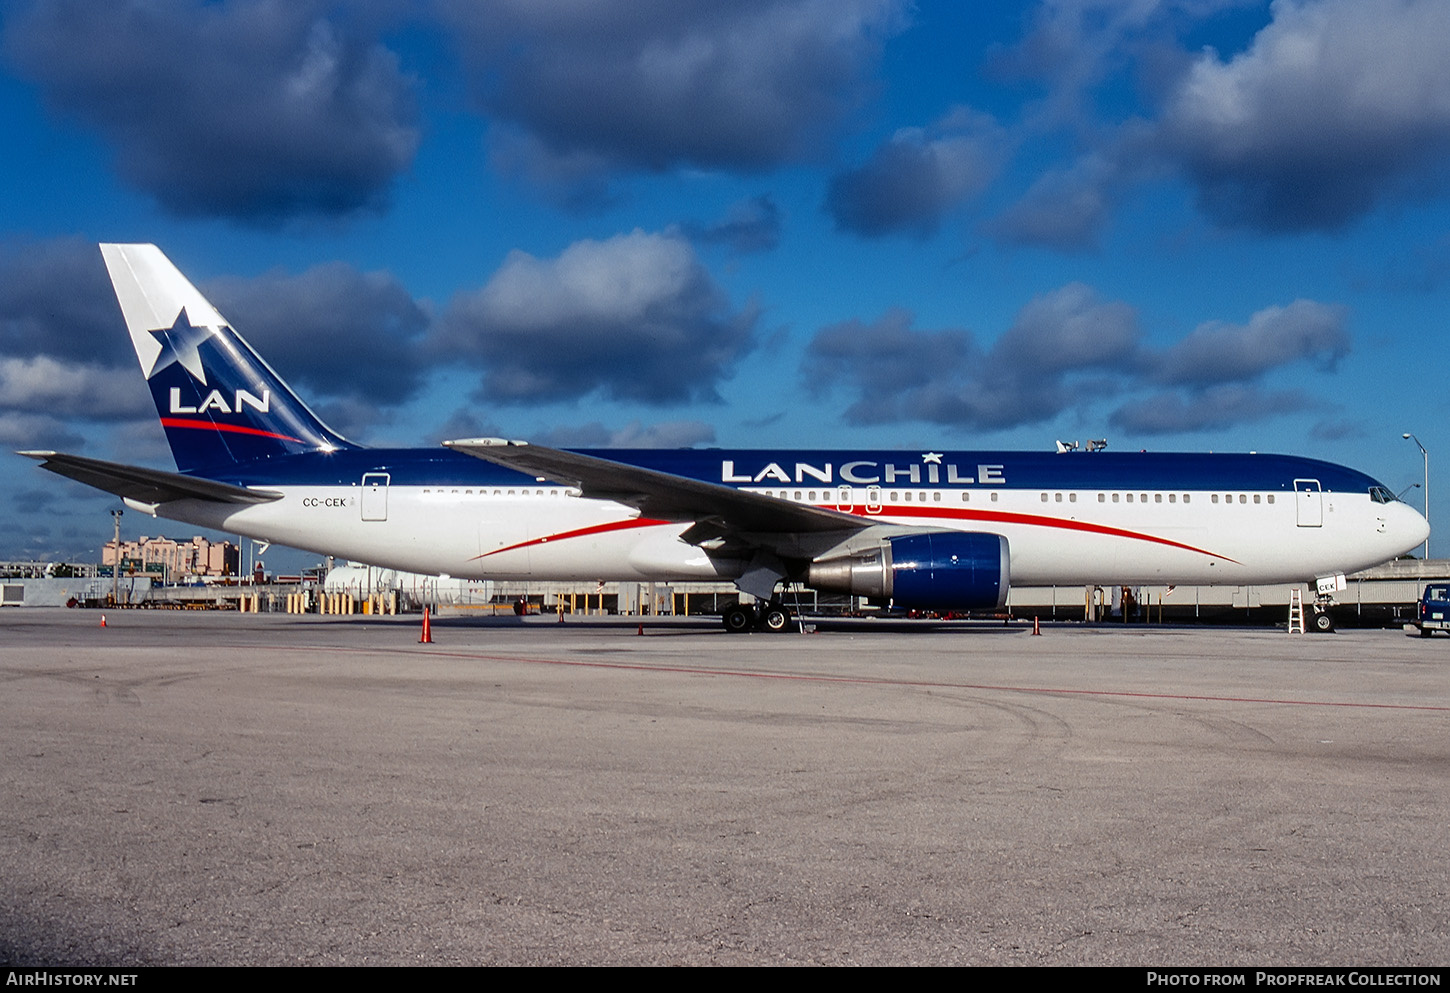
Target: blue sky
column 1192, row 225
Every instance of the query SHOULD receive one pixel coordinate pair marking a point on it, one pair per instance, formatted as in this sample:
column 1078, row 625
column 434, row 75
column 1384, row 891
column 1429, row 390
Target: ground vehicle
column 1432, row 613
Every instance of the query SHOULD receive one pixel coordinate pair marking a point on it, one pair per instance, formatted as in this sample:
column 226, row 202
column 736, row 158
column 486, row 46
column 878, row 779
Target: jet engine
column 937, row 570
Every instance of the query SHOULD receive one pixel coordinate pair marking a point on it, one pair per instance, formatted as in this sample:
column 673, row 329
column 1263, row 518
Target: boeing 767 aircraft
column 931, row 529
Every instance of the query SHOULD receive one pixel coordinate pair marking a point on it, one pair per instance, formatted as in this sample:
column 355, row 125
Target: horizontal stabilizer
column 151, row 486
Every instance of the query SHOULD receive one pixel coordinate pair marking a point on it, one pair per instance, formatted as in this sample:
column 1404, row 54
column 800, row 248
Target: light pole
column 116, row 566
column 1426, row 456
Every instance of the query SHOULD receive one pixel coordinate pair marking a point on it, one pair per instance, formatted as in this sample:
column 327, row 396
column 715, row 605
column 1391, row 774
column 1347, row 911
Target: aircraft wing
column 661, row 495
column 151, row 486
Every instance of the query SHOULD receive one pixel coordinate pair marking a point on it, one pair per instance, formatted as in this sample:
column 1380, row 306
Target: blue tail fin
column 219, row 402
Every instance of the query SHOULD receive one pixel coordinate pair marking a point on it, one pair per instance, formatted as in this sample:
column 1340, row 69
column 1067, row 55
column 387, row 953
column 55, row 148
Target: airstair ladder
column 1296, row 611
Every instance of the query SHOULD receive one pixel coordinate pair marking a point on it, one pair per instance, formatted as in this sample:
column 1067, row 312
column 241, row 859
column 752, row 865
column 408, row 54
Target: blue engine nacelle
column 937, row 570
column 949, row 570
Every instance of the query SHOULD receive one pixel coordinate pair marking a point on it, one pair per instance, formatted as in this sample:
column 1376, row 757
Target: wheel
column 1426, row 632
column 738, row 619
column 774, row 618
column 1323, row 623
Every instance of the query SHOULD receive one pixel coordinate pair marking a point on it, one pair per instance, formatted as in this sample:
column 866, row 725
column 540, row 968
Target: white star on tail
column 179, row 344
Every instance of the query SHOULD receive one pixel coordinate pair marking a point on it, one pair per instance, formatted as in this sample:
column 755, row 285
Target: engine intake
column 934, row 570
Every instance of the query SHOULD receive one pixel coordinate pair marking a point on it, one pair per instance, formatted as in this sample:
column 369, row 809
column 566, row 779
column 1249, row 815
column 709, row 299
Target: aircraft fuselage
column 1068, row 519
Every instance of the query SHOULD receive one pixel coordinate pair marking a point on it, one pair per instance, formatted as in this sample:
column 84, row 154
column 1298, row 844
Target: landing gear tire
column 1322, row 622
column 738, row 619
column 774, row 618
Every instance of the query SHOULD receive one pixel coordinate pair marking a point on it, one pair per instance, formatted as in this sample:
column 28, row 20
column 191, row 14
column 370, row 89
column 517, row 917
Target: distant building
column 47, row 570
column 171, row 560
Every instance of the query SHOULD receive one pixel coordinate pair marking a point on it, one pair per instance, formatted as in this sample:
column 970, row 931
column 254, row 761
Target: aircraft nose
column 1409, row 528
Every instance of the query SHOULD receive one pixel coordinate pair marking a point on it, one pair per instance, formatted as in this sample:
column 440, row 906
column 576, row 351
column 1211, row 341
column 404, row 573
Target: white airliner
column 933, row 529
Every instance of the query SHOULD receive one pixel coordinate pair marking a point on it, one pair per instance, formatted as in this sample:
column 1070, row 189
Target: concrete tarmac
column 186, row 788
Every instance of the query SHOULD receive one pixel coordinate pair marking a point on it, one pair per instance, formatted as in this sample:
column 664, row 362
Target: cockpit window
column 1381, row 495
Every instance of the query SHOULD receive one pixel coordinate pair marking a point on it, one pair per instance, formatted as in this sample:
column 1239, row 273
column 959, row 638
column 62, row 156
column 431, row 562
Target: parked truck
column 1433, row 611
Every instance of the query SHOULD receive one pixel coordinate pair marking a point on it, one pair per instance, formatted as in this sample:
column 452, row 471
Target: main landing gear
column 771, row 617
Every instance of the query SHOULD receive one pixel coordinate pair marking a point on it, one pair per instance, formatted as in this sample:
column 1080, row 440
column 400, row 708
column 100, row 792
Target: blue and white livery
column 933, row 529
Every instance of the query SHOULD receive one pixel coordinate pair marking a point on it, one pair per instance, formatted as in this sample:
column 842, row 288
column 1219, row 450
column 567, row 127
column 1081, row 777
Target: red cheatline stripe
column 1037, row 520
column 179, row 422
column 986, row 516
column 633, row 522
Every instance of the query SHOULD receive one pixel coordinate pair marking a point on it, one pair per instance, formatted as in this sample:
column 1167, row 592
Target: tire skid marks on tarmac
column 104, row 689
column 1038, row 726
column 1226, row 729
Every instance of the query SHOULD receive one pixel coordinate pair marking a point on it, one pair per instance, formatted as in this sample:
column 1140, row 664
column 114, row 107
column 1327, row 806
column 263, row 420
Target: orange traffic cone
column 103, row 620
column 641, row 628
column 427, row 638
column 1036, row 629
